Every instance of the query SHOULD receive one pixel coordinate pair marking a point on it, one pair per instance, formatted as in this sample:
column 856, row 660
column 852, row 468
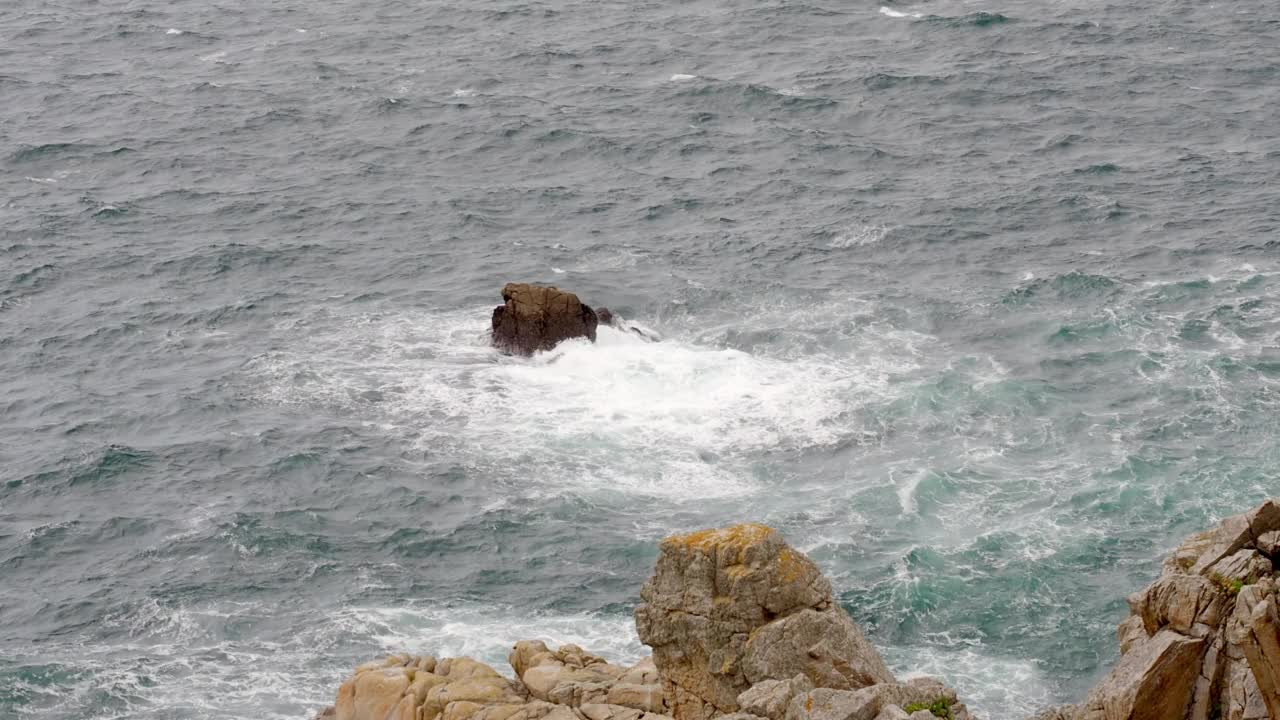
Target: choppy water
column 977, row 301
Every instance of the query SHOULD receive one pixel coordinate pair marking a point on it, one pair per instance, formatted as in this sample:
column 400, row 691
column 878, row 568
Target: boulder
column 542, row 670
column 1151, row 682
column 727, row 609
column 823, row 646
column 770, row 698
column 372, row 693
column 831, row 704
column 533, row 318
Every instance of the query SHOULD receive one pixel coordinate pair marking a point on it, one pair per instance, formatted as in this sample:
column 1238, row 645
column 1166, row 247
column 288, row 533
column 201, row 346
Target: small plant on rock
column 940, row 707
column 1230, row 586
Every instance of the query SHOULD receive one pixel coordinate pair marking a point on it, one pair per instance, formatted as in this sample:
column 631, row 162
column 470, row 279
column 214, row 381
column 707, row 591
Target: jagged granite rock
column 729, row 608
column 534, row 318
column 882, row 701
column 770, row 698
column 1202, row 642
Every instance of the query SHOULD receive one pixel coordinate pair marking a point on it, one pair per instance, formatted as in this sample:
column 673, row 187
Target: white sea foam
column 890, row 12
column 198, row 661
column 681, row 77
column 680, row 419
column 463, row 93
column 488, row 632
column 907, row 492
column 173, row 31
column 991, row 686
column 859, row 236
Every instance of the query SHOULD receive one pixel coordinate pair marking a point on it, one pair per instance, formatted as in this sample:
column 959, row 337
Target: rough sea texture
column 978, row 302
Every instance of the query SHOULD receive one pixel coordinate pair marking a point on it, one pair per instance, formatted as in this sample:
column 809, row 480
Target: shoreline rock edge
column 744, row 627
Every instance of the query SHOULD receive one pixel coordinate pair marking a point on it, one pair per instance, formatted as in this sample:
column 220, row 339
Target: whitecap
column 860, row 236
column 990, row 685
column 173, row 31
column 681, row 77
column 907, row 492
column 463, row 93
column 890, row 12
column 487, row 633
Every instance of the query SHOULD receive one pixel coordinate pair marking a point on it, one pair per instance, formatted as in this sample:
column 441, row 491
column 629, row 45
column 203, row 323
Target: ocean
column 978, row 302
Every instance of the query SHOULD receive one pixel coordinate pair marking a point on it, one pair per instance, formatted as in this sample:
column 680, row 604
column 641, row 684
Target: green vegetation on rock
column 940, row 707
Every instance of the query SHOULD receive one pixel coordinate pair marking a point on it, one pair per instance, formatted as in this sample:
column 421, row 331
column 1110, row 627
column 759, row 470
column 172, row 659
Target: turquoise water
column 976, row 303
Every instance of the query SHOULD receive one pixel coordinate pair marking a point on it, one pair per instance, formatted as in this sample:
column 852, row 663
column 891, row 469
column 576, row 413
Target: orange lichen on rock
column 793, row 566
column 735, row 537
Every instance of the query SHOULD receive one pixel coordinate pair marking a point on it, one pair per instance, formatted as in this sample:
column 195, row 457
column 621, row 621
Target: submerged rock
column 534, row 318
column 1202, row 642
column 608, row 317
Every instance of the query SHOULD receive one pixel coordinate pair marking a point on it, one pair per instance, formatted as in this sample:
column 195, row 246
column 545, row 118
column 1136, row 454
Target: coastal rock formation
column 729, row 608
column 534, row 318
column 563, row 684
column 1203, row 641
column 742, row 626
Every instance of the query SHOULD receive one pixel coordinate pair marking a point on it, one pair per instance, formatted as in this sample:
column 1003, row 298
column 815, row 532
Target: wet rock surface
column 534, row 318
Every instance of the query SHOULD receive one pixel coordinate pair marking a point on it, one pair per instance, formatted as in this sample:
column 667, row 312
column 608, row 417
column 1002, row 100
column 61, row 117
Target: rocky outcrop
column 563, row 684
column 533, row 318
column 742, row 627
column 1203, row 641
column 726, row 609
column 573, row 677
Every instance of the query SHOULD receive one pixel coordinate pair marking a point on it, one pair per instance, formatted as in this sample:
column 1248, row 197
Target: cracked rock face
column 1202, row 642
column 533, row 318
column 729, row 608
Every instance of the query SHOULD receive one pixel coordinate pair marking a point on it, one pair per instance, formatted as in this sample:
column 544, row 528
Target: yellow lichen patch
column 734, row 537
column 792, row 566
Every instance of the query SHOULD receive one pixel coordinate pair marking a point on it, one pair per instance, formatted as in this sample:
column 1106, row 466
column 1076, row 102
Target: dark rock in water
column 604, row 315
column 535, row 318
